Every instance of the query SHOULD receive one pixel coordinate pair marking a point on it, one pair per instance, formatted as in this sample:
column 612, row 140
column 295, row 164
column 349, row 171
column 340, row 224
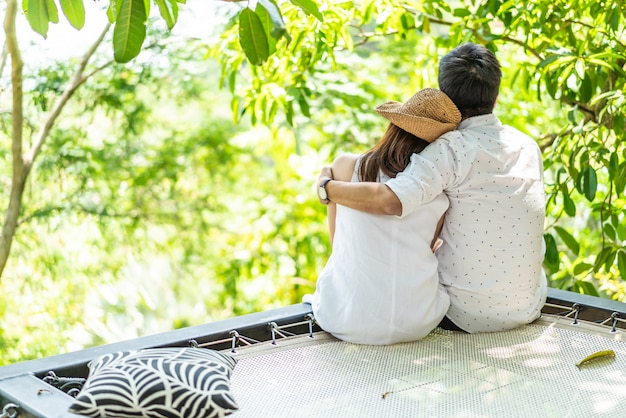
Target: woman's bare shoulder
column 343, row 166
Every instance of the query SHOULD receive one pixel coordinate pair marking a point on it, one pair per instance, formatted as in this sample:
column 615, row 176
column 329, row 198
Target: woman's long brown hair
column 391, row 155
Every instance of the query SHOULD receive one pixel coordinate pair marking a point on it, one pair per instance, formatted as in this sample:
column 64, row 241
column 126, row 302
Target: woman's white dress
column 380, row 284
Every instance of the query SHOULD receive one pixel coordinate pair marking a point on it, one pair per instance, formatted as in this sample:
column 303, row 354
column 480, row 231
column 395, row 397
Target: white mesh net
column 527, row 372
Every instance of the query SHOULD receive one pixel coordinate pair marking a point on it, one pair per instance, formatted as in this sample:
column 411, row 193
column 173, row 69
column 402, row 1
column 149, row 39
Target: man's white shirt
column 492, row 255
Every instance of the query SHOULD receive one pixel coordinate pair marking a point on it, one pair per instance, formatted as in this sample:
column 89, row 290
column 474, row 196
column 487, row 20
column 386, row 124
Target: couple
column 446, row 168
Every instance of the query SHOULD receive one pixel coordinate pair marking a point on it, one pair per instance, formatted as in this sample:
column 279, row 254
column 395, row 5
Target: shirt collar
column 481, row 120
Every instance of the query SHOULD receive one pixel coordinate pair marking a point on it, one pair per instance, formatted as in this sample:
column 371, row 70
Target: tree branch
column 366, row 36
column 77, row 81
column 46, row 211
column 596, row 28
column 550, row 138
column 523, row 45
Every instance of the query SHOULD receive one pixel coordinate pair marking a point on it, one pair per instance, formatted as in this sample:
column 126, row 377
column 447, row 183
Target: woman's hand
column 326, row 173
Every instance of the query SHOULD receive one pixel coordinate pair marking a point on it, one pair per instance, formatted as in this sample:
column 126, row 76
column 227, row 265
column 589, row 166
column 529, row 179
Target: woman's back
column 380, row 285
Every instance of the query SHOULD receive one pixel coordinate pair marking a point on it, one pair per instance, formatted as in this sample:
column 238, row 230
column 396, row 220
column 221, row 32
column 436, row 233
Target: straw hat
column 428, row 114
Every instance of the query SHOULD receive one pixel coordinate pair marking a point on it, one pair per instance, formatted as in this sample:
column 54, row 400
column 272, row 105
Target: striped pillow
column 159, row 382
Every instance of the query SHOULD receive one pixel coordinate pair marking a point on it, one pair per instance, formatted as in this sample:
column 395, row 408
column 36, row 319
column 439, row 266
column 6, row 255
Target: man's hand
column 370, row 197
column 438, row 242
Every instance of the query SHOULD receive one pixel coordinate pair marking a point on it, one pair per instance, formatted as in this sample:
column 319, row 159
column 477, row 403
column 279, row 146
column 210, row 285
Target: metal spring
column 576, row 308
column 276, row 330
column 10, row 410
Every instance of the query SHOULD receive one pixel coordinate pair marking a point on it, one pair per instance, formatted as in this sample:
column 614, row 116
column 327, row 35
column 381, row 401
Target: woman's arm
column 342, row 170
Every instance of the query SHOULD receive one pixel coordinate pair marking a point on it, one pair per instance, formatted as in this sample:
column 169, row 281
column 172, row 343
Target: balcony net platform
column 527, row 372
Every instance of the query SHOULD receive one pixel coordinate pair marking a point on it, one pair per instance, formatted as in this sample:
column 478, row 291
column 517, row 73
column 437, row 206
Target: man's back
column 491, row 259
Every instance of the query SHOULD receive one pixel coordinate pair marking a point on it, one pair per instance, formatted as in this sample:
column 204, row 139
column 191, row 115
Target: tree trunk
column 20, row 169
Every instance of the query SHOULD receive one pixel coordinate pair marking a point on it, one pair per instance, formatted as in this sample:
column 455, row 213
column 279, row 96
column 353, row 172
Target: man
column 492, row 252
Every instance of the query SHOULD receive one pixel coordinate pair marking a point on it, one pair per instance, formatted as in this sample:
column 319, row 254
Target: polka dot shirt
column 491, row 259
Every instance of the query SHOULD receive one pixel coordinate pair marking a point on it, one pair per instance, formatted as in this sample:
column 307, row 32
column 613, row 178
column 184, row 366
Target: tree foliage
column 261, row 24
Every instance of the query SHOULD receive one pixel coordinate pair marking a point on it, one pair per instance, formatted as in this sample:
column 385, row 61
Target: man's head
column 470, row 75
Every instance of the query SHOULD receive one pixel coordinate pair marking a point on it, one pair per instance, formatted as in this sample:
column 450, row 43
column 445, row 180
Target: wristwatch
column 321, row 190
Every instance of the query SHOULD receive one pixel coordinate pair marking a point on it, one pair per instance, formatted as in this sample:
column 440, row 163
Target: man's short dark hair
column 470, row 75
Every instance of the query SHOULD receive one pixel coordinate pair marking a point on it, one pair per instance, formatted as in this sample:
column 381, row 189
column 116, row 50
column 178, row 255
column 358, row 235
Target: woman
column 380, row 284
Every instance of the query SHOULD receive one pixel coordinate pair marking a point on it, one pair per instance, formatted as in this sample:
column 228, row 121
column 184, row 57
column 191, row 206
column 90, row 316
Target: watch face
column 321, row 192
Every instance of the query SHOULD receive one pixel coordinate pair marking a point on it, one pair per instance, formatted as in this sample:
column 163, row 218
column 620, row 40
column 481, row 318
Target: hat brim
column 425, row 128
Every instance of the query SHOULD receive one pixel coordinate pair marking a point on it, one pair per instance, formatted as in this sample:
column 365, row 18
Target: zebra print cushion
column 159, row 382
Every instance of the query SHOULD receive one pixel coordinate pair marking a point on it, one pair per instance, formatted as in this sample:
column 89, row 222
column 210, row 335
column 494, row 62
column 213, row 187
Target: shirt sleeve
column 428, row 174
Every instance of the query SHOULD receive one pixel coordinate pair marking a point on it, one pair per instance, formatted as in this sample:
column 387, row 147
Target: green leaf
column 37, row 15
column 589, row 182
column 609, row 231
column 278, row 30
column 493, row 6
column 618, row 123
column 309, row 7
column 621, row 230
column 613, row 18
column 289, row 112
column 273, row 110
column 571, row 114
column 579, row 67
column 568, row 239
column 369, row 11
column 169, row 11
column 252, row 37
column 549, row 60
column 568, row 204
column 572, row 170
column 147, row 4
column 235, row 104
column 232, row 82
column 582, row 268
column 74, row 11
column 595, row 59
column 620, row 179
column 266, row 21
column 130, row 30
column 404, row 22
column 608, row 263
column 425, row 24
column 586, row 88
column 602, row 258
column 113, row 10
column 613, row 165
column 552, row 86
column 621, row 263
column 53, row 12
column 585, row 288
column 552, row 253
column 304, row 105
column 459, row 12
